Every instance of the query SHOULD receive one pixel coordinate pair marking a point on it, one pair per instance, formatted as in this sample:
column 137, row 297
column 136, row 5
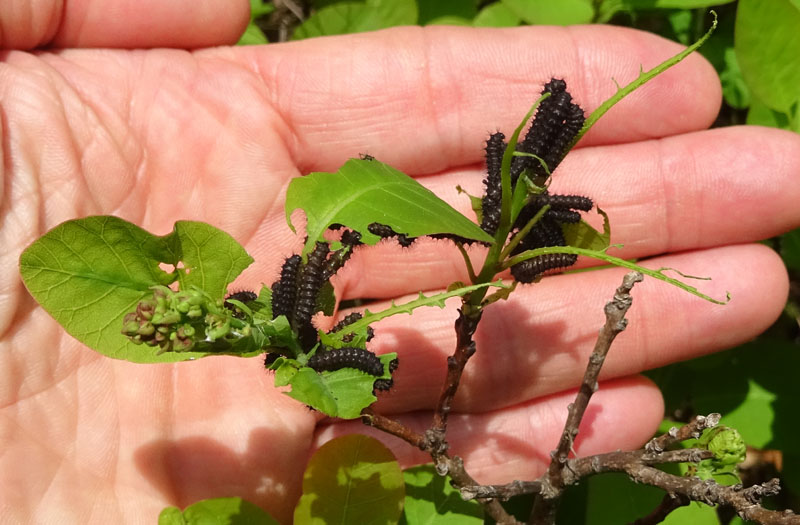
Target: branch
column 545, row 507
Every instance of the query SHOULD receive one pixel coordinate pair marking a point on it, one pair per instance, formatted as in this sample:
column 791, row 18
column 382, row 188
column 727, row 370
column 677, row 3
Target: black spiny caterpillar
column 527, row 271
column 385, row 231
column 347, row 357
column 495, row 147
column 348, row 320
column 284, row 290
column 311, row 281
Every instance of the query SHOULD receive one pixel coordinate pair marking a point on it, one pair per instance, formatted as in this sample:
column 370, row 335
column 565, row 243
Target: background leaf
column 671, row 4
column 339, row 19
column 430, row 10
column 496, row 15
column 432, row 500
column 611, row 499
column 395, row 12
column 88, row 273
column 217, row 511
column 354, row 480
column 367, row 191
column 768, row 50
column 547, row 12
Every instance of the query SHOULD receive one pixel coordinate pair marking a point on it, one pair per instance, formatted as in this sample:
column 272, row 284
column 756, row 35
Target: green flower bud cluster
column 177, row 321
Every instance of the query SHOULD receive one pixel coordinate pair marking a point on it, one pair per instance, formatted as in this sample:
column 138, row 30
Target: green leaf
column 367, row 191
column 612, row 499
column 395, row 12
column 742, row 385
column 761, row 115
column 340, row 19
column 432, row 500
column 354, row 480
column 88, row 273
column 217, row 511
column 547, row 12
column 342, row 393
column 496, row 15
column 790, row 249
column 582, row 235
column 640, row 5
column 449, row 21
column 259, row 8
column 252, row 36
column 768, row 50
column 433, row 9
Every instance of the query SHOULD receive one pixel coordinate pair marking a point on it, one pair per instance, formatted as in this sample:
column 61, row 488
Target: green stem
column 643, row 78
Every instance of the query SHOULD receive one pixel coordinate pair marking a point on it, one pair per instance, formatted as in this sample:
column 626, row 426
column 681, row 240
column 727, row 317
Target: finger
column 539, row 340
column 692, row 191
column 515, row 443
column 121, row 23
column 421, row 99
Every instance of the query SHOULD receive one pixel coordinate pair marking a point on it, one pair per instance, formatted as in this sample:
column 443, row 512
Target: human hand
column 216, row 135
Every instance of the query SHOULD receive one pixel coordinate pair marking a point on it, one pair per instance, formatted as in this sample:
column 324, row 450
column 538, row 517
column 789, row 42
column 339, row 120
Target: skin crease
column 164, row 134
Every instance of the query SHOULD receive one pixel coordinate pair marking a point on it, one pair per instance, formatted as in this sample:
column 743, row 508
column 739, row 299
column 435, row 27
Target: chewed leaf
column 582, row 235
column 342, row 393
column 89, row 273
column 367, row 191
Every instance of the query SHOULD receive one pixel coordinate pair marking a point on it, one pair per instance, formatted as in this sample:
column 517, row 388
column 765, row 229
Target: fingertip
column 185, row 24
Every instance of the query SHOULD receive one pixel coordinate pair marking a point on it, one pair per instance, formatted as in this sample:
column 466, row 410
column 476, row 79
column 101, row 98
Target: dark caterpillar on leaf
column 490, row 205
column 385, row 231
column 527, row 271
column 338, row 358
column 311, row 281
column 284, row 290
column 348, row 320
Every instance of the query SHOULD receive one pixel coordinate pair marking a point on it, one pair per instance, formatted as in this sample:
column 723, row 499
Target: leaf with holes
column 88, row 273
column 367, row 191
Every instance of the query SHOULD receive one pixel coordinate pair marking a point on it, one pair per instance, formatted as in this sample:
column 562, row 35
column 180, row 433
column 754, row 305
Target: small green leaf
column 395, row 12
column 547, row 12
column 342, row 393
column 639, row 5
column 351, row 480
column 367, row 191
column 496, row 15
column 743, row 386
column 252, row 36
column 760, row 114
column 433, row 9
column 432, row 500
column 88, row 273
column 449, row 21
column 339, row 19
column 259, row 8
column 582, row 235
column 171, row 516
column 790, row 249
column 217, row 511
column 768, row 50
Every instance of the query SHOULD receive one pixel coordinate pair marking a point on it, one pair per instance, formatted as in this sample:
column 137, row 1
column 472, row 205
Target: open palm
column 216, row 135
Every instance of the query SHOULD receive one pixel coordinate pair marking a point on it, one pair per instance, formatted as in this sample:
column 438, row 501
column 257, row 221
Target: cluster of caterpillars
column 556, row 124
column 295, row 295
